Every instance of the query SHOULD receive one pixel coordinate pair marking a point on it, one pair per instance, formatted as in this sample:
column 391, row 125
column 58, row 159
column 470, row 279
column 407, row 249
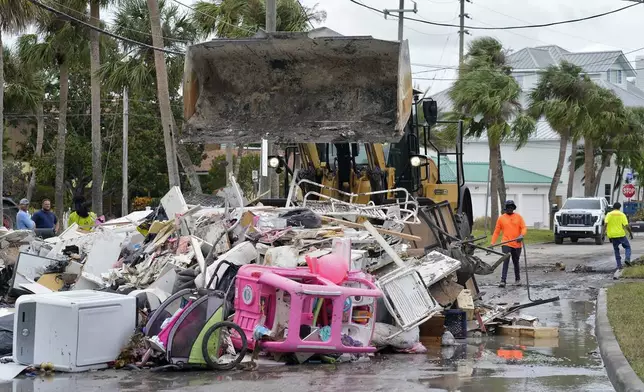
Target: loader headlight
column 274, row 162
column 418, row 160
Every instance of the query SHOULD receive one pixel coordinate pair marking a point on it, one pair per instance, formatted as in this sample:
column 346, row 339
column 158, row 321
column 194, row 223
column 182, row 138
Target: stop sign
column 628, row 190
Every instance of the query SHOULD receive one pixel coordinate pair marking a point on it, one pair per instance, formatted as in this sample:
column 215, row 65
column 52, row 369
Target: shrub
column 639, row 215
column 139, row 203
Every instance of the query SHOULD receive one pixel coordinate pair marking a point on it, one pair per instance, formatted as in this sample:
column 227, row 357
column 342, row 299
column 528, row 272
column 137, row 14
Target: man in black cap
column 513, row 227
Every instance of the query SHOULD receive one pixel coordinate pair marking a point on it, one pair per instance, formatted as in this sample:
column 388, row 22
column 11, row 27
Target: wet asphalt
column 488, row 363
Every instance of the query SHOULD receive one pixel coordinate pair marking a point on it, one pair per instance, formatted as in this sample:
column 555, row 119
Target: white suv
column 581, row 217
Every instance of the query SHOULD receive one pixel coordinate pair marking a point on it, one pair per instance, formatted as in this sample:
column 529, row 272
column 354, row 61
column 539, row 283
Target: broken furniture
column 75, row 331
column 407, row 298
column 406, row 295
column 294, row 303
column 403, row 210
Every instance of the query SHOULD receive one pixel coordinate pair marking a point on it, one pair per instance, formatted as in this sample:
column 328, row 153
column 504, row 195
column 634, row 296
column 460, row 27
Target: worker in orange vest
column 513, row 227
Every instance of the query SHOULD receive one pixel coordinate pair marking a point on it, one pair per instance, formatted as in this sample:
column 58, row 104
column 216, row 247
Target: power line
column 114, row 24
column 102, row 31
column 213, row 18
column 568, row 21
column 549, row 29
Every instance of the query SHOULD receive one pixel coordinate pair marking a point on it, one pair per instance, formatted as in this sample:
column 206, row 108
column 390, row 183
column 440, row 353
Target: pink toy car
column 305, row 312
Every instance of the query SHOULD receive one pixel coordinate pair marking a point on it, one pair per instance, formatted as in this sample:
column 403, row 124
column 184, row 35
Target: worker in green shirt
column 82, row 216
column 616, row 228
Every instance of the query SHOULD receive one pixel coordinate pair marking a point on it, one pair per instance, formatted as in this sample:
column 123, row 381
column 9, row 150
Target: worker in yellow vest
column 616, row 228
column 81, row 215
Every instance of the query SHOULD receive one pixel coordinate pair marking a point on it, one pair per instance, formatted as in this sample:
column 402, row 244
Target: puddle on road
column 569, row 363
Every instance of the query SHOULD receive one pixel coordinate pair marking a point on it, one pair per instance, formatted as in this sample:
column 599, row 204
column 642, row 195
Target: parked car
column 581, row 217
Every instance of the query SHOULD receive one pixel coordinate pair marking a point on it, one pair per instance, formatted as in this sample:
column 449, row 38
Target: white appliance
column 75, row 330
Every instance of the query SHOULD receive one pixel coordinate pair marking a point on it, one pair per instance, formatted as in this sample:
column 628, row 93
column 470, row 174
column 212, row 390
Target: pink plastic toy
column 332, row 267
column 304, row 311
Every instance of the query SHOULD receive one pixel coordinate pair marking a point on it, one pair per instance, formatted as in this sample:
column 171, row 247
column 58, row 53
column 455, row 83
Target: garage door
column 532, row 210
column 478, row 206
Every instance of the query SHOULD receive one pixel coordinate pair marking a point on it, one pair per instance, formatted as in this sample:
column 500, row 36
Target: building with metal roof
column 609, row 69
column 528, row 189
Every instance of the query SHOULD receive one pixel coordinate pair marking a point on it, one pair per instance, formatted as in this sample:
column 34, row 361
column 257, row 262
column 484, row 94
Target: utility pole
column 126, row 113
column 461, row 35
column 272, row 181
column 401, row 16
column 401, row 19
column 229, row 162
column 271, row 16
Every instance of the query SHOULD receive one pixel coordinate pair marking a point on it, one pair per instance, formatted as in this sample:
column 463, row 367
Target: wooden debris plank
column 404, row 236
column 528, row 332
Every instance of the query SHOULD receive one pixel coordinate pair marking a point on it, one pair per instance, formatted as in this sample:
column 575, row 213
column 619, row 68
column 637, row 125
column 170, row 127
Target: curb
column 619, row 371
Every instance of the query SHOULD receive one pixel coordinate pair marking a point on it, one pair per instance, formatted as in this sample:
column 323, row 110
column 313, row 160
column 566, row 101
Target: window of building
column 606, row 189
column 618, row 76
column 608, row 76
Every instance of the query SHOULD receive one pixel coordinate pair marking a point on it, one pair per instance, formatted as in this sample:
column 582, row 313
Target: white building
column 528, row 189
column 609, row 69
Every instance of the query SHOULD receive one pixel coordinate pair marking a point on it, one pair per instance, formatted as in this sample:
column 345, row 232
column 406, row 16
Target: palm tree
column 25, row 91
column 628, row 146
column 137, row 71
column 15, row 15
column 489, row 95
column 572, row 167
column 163, row 93
column 607, row 120
column 61, row 47
column 95, row 63
column 243, row 18
column 559, row 98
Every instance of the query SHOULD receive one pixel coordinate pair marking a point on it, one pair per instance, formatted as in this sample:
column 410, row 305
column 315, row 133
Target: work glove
column 520, row 238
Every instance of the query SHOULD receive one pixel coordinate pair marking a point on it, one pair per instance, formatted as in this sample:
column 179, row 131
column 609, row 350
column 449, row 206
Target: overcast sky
column 433, row 45
column 438, row 46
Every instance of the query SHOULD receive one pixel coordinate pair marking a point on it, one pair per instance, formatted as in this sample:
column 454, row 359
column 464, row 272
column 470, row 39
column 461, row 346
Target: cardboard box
column 434, row 327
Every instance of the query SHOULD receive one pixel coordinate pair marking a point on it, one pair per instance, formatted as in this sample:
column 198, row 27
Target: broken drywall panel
column 282, row 256
column 35, row 288
column 215, row 232
column 165, row 282
column 29, row 267
column 445, row 291
column 74, row 268
column 9, row 371
column 133, row 217
column 83, row 283
column 173, row 203
column 104, row 253
column 436, row 266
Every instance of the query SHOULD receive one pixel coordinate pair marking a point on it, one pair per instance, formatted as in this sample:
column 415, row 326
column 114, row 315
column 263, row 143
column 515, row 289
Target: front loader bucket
column 295, row 88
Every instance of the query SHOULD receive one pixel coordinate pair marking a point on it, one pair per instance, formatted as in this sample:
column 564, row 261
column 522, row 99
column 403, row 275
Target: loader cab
column 421, row 174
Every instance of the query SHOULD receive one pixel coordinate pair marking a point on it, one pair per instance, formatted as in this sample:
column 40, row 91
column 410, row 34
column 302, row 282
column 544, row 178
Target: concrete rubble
column 188, row 268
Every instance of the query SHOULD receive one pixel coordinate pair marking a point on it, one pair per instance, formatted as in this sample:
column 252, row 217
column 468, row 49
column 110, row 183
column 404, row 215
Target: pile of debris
column 318, row 280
